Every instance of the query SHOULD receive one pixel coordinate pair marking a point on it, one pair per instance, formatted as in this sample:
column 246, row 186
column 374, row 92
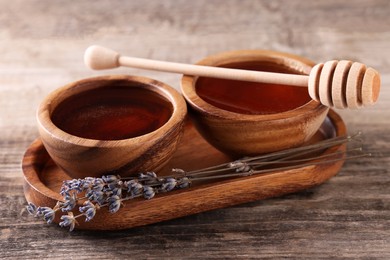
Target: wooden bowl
column 244, row 118
column 111, row 125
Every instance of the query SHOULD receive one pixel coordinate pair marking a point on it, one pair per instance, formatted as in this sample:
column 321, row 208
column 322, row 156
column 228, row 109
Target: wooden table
column 42, row 44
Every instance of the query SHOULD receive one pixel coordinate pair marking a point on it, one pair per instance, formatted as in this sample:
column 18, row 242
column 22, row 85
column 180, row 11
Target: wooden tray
column 43, row 180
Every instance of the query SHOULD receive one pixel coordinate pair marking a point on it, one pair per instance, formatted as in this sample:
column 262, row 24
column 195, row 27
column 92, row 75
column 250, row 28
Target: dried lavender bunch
column 112, row 190
column 109, row 191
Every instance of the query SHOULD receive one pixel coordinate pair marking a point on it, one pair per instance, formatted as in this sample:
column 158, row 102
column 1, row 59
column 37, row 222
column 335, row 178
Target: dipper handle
column 340, row 84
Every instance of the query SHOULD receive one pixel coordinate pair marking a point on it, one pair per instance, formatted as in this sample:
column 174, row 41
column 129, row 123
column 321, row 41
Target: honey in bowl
column 114, row 124
column 112, row 113
column 247, row 119
column 250, row 97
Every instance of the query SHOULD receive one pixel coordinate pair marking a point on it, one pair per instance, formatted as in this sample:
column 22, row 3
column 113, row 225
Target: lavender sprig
column 111, row 191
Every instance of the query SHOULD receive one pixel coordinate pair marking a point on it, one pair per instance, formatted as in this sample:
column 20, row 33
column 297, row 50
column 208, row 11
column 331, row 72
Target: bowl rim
column 51, row 101
column 295, row 62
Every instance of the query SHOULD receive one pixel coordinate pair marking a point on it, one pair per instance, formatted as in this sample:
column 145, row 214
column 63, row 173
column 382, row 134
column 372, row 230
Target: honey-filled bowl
column 111, row 125
column 245, row 118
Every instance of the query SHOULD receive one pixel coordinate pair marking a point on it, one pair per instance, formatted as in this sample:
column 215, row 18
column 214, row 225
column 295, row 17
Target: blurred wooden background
column 41, row 48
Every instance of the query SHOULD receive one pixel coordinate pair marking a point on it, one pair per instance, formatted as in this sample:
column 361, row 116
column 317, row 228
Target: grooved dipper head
column 344, row 84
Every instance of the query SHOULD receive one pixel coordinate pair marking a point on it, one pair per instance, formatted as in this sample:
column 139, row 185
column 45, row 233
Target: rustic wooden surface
column 42, row 43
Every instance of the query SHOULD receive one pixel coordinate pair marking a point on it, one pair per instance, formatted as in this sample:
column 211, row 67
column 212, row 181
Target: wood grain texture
column 348, row 217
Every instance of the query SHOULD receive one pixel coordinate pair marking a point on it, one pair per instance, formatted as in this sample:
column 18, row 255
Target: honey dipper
column 339, row 84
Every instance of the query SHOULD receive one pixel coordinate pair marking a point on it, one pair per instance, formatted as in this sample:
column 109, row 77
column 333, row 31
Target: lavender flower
column 78, row 185
column 67, row 186
column 31, row 208
column 169, row 184
column 86, row 205
column 73, row 184
column 115, row 191
column 134, row 188
column 89, row 179
column 89, row 214
column 68, row 221
column 114, row 203
column 179, row 171
column 39, row 212
column 89, row 210
column 148, row 192
column 184, row 182
column 240, row 166
column 48, row 214
column 110, row 178
column 89, row 193
column 114, row 187
column 98, row 196
column 85, row 184
column 130, row 184
column 70, row 202
column 148, row 175
column 98, row 184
